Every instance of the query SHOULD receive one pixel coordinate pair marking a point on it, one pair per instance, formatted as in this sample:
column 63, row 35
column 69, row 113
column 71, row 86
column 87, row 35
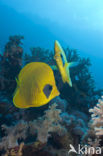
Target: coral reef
column 50, row 122
column 92, row 141
column 54, row 126
column 97, row 117
column 74, row 124
column 94, row 135
column 12, row 134
column 83, row 95
column 39, row 55
column 62, row 103
column 48, row 130
column 10, row 65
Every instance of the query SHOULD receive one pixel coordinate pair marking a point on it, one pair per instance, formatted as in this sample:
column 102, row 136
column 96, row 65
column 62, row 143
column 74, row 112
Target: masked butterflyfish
column 62, row 64
column 35, row 86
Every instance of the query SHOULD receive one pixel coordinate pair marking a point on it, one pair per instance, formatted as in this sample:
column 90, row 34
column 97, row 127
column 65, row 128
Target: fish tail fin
column 68, row 78
column 68, row 66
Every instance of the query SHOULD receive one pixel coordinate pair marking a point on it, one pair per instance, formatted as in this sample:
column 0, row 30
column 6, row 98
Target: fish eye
column 63, row 61
column 47, row 90
column 50, row 87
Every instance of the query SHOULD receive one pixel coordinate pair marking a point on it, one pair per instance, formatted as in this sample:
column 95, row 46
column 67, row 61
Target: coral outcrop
column 83, row 95
column 48, row 130
column 49, row 123
column 12, row 134
column 42, row 127
column 39, row 55
column 97, row 117
column 10, row 64
column 75, row 125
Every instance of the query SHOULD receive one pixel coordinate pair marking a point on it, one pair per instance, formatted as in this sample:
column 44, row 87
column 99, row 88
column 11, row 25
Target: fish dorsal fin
column 67, row 67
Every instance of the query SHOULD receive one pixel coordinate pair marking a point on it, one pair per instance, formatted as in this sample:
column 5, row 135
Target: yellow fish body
column 35, row 86
column 62, row 63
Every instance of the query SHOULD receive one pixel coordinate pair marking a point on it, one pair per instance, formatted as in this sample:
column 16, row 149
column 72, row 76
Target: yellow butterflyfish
column 35, row 86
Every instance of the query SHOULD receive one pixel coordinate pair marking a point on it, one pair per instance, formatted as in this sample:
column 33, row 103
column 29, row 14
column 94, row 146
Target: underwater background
column 28, row 30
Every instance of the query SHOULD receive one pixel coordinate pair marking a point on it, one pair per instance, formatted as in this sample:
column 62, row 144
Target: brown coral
column 50, row 122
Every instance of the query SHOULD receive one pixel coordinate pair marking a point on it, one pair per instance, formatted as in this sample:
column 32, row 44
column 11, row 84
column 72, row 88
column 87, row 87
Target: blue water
column 76, row 25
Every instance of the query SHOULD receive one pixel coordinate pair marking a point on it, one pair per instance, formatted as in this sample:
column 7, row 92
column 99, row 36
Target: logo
column 85, row 150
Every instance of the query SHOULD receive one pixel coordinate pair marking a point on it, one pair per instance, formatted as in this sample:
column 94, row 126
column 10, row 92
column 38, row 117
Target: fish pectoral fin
column 72, row 64
column 54, row 67
column 18, row 100
column 17, row 81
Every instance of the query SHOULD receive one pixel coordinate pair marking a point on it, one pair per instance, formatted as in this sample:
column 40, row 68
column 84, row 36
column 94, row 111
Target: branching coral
column 39, row 55
column 13, row 133
column 62, row 103
column 83, row 94
column 97, row 117
column 93, row 137
column 74, row 124
column 50, row 122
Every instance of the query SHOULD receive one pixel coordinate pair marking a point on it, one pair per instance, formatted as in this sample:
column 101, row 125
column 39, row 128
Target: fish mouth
column 56, row 46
